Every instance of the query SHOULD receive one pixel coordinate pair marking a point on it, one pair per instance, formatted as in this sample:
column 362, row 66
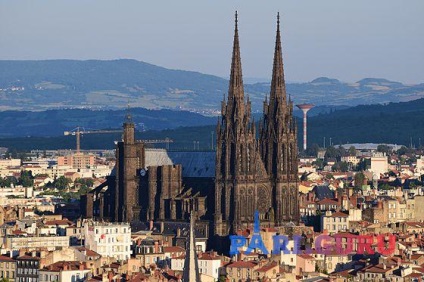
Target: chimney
column 384, row 266
column 178, row 232
column 162, row 227
column 156, row 247
column 151, row 225
column 110, row 276
column 81, row 266
column 65, row 266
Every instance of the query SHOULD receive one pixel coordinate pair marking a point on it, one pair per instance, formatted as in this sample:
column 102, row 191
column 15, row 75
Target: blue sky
column 347, row 40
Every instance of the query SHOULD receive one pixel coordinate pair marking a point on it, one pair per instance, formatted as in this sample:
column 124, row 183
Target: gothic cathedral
column 255, row 173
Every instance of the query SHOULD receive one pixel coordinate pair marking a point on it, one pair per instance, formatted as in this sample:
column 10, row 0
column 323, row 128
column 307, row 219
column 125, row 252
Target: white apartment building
column 108, row 239
column 420, row 165
column 209, row 264
column 64, row 271
column 379, row 164
column 51, row 243
column 350, row 159
column 335, row 222
column 10, row 162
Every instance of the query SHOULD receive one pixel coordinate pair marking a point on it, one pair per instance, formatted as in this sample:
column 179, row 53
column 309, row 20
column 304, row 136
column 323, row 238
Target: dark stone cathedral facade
column 256, row 174
column 252, row 168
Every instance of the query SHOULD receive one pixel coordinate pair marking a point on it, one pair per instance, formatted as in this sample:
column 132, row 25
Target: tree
column 26, row 179
column 341, row 166
column 329, row 176
column 304, row 176
column 385, row 186
column 62, row 183
column 352, row 151
column 312, row 150
column 359, row 180
column 222, row 278
column 383, row 149
column 319, row 163
column 402, row 151
column 364, row 164
column 331, row 152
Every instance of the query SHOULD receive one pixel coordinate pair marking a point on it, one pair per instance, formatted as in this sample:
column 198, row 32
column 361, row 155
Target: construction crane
column 80, row 130
column 155, row 141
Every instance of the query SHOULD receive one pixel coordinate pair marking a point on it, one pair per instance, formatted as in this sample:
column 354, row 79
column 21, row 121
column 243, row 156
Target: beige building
column 240, row 270
column 387, row 210
column 419, row 208
column 335, row 222
column 7, row 268
column 350, row 159
column 76, row 161
column 4, row 163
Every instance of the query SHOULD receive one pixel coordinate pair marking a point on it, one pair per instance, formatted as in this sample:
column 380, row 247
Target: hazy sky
column 348, row 40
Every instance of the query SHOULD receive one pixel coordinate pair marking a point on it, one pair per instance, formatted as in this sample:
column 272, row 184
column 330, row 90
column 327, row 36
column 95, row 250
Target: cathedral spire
column 278, row 86
column 235, row 90
column 191, row 266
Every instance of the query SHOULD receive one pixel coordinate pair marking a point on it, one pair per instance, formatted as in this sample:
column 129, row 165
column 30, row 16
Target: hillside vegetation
column 392, row 123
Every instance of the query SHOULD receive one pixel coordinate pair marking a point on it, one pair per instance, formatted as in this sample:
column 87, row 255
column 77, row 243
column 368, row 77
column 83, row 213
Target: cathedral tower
column 241, row 183
column 278, row 142
column 128, row 162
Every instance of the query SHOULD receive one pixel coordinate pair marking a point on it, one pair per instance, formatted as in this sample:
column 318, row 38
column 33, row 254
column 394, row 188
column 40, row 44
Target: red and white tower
column 305, row 108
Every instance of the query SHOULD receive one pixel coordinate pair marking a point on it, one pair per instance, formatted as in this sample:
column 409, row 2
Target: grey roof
column 194, row 164
column 369, row 146
column 322, row 192
column 170, row 228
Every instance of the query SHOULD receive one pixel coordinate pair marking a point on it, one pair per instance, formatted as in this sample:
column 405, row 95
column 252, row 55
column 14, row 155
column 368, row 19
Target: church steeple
column 235, row 90
column 128, row 134
column 278, row 85
column 191, row 265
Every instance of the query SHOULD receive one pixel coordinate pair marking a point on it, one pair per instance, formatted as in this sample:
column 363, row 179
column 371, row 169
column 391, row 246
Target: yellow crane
column 80, row 130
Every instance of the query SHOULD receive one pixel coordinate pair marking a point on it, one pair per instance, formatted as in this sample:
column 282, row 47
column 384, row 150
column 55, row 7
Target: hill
column 393, row 123
column 55, row 122
column 93, row 84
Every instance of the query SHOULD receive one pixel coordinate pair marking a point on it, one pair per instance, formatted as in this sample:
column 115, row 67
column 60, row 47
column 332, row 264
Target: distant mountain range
column 92, row 84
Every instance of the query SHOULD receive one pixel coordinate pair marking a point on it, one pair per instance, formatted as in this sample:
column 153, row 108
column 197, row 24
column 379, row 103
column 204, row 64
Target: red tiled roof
column 27, row 257
column 328, row 201
column 59, row 222
column 339, row 214
column 306, row 256
column 379, row 268
column 242, row 264
column 6, row 259
column 208, row 256
column 18, row 232
column 88, row 252
column 61, row 265
column 267, row 267
column 173, row 249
